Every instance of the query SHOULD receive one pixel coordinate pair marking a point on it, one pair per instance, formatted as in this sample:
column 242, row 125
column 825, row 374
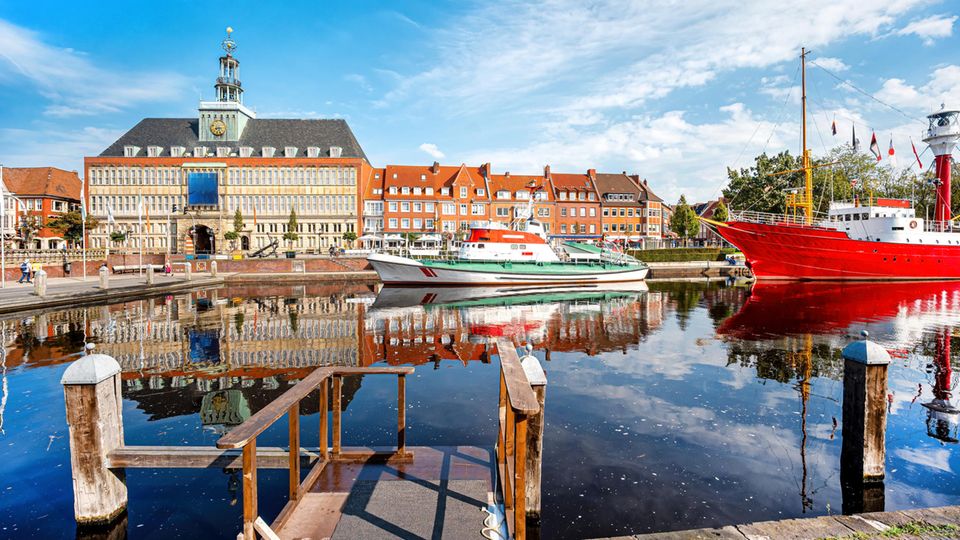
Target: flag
column 110, row 219
column 915, row 154
column 147, row 209
column 83, row 205
column 892, row 154
column 856, row 141
column 139, row 212
column 254, row 214
column 833, row 127
column 874, row 147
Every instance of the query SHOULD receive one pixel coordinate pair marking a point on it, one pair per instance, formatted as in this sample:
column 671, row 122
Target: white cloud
column 930, row 28
column 937, row 459
column 432, row 150
column 53, row 147
column 71, row 83
column 833, row 64
column 943, row 87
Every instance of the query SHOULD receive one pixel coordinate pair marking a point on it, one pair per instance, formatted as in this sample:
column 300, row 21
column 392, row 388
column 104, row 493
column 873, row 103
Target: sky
column 675, row 91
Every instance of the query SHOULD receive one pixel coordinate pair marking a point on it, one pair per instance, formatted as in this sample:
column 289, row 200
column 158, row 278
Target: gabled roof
column 259, row 132
column 375, row 181
column 436, row 177
column 517, row 182
column 646, row 194
column 618, row 183
column 571, row 182
column 42, row 182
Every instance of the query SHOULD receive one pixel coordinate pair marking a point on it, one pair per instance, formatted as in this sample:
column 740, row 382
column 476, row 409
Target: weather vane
column 228, row 44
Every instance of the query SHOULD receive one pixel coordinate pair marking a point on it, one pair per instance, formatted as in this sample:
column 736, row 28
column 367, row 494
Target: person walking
column 24, row 271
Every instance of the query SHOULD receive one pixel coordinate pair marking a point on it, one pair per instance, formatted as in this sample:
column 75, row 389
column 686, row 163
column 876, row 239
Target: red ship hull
column 798, row 252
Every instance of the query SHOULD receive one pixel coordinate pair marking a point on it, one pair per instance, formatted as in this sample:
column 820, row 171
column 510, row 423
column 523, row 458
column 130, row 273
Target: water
column 688, row 405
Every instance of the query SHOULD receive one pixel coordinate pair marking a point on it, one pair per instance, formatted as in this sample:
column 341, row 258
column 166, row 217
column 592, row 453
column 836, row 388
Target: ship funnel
column 942, row 135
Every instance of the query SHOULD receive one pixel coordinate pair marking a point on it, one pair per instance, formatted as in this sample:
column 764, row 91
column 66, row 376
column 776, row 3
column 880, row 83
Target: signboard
column 202, row 187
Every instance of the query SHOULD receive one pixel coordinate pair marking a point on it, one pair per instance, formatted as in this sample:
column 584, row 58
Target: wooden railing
column 245, row 435
column 519, row 408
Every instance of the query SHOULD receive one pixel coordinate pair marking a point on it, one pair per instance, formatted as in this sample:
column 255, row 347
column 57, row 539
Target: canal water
column 685, row 405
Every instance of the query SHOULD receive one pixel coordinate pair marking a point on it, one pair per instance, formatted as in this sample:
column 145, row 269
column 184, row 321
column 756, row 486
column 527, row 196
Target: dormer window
column 405, row 190
column 313, row 151
column 289, row 151
column 154, row 151
column 393, row 190
column 503, row 194
column 199, row 151
column 376, row 175
column 335, row 151
column 267, row 151
column 130, row 151
column 394, row 176
column 417, row 191
column 481, row 192
column 223, row 151
column 521, row 195
column 423, row 177
column 445, row 191
column 177, row 151
column 463, row 193
column 246, row 151
column 428, row 191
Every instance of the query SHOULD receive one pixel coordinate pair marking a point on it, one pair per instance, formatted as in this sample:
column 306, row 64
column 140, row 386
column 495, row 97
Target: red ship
column 882, row 239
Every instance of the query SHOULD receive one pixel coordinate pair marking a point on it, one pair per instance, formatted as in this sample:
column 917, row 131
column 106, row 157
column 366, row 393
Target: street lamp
column 171, row 238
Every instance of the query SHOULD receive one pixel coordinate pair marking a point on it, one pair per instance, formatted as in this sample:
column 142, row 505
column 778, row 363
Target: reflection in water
column 682, row 406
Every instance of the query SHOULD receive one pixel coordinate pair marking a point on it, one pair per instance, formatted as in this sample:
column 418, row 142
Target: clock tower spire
column 225, row 119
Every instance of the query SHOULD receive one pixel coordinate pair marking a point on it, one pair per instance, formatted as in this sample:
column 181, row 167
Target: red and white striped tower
column 942, row 136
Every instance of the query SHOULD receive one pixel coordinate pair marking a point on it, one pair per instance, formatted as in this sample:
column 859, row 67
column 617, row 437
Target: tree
column 232, row 236
column 118, row 237
column 237, row 221
column 684, row 221
column 350, row 237
column 28, row 226
column 70, row 225
column 720, row 212
column 291, row 235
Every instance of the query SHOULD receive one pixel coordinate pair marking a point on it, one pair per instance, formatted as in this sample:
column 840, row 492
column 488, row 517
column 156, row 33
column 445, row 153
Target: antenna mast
column 803, row 200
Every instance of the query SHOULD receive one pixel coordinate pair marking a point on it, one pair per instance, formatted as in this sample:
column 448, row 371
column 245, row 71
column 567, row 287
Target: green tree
column 118, row 237
column 720, row 212
column 70, row 225
column 27, row 227
column 291, row 235
column 684, row 221
column 237, row 221
column 350, row 237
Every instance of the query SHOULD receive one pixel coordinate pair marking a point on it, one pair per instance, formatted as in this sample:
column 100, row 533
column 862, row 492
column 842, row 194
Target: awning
column 393, row 237
column 635, row 238
column 366, row 237
column 430, row 238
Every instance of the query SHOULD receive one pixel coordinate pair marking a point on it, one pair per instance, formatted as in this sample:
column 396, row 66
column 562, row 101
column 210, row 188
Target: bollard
column 187, row 268
column 40, row 283
column 91, row 391
column 104, row 278
column 863, row 452
column 149, row 274
column 538, row 382
column 213, row 268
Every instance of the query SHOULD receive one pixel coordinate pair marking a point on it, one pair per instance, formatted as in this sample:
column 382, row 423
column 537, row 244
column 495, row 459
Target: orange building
column 510, row 194
column 39, row 194
column 435, row 198
column 577, row 205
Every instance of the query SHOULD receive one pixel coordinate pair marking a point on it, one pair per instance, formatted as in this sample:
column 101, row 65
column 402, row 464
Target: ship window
column 856, row 217
column 523, row 246
column 866, row 215
column 846, row 217
column 896, row 228
column 479, row 246
column 513, row 246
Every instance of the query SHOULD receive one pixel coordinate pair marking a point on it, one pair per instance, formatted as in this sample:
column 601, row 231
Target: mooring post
column 40, row 283
column 149, row 274
column 538, row 382
column 213, row 268
column 91, row 391
column 187, row 270
column 104, row 277
column 863, row 452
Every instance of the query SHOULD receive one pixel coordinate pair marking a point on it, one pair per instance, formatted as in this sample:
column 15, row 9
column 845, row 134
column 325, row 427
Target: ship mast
column 803, row 200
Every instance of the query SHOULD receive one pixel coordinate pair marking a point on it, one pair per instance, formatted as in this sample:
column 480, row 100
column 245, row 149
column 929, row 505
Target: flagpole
column 140, row 231
column 3, row 231
column 83, row 230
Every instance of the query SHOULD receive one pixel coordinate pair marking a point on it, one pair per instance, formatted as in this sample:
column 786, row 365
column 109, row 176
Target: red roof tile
column 42, row 182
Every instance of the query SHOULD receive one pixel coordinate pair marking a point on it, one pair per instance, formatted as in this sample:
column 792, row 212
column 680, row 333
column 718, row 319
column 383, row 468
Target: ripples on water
column 687, row 405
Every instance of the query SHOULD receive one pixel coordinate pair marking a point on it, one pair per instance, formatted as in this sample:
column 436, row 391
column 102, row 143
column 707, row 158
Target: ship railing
column 768, row 218
column 941, row 226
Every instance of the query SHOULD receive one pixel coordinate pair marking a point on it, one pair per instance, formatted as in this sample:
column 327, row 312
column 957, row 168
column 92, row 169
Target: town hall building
column 173, row 185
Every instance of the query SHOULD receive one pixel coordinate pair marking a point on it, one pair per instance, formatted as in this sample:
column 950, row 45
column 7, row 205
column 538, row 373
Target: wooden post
column 91, row 392
column 538, row 382
column 520, row 480
column 509, row 429
column 249, row 489
column 863, row 451
column 401, row 414
column 337, row 382
column 323, row 418
column 294, row 425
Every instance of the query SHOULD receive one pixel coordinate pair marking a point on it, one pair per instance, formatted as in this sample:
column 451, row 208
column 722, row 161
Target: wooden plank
column 200, row 457
column 294, row 450
column 796, row 529
column 373, row 370
column 265, row 531
column 520, row 480
column 265, row 417
column 519, row 393
column 249, row 489
column 337, row 384
column 535, row 455
column 323, row 418
column 401, row 414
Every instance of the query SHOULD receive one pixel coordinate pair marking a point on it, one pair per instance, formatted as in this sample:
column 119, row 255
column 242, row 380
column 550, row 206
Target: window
column 445, row 192
column 417, row 191
column 583, row 211
column 606, row 212
column 405, row 207
column 393, row 190
column 417, row 207
column 429, row 223
column 503, row 194
column 428, row 191
column 405, row 190
column 449, row 209
column 503, row 212
column 405, row 223
column 417, row 223
column 463, row 209
column 423, row 177
column 563, row 212
column 591, row 196
column 392, row 205
column 428, row 207
column 393, row 223
column 629, row 212
column 593, row 212
column 463, row 193
column 543, row 212
column 593, row 229
column 563, row 197
column 481, row 192
column 581, row 196
column 563, row 227
column 477, row 210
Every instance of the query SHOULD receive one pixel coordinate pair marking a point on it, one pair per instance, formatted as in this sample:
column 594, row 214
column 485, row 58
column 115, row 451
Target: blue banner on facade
column 202, row 188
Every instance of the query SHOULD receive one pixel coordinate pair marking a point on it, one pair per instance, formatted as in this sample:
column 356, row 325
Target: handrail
column 265, row 417
column 521, row 396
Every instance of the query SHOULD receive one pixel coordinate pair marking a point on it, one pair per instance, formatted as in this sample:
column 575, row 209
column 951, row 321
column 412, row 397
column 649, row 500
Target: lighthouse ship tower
column 876, row 239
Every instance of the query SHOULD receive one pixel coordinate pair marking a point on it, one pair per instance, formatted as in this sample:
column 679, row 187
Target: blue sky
column 674, row 91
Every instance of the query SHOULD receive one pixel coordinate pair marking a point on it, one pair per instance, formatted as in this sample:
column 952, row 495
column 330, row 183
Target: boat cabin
column 493, row 241
column 887, row 220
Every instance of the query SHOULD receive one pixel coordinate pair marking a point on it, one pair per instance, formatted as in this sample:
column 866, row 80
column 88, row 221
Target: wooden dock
column 347, row 492
column 942, row 522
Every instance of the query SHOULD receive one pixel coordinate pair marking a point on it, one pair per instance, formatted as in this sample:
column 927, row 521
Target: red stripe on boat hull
column 785, row 251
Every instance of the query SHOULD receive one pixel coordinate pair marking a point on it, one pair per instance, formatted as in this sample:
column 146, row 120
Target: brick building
column 510, row 194
column 37, row 195
column 177, row 182
column 577, row 205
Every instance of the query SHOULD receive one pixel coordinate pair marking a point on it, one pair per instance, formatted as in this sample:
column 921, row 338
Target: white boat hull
column 395, row 270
